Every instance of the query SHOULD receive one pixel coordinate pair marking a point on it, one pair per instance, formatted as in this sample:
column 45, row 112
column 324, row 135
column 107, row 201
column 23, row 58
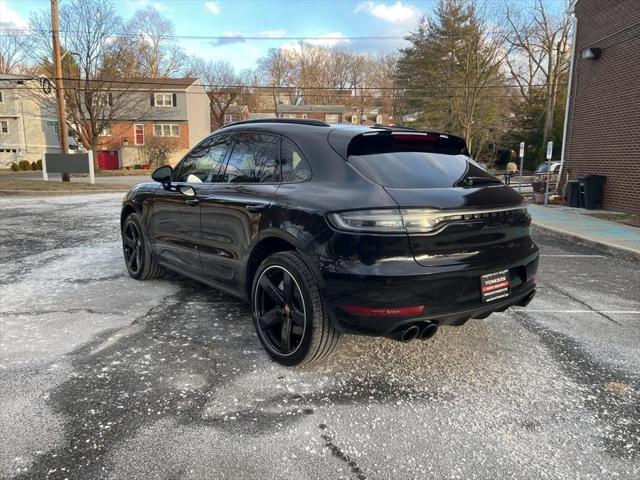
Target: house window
column 1, row 97
column 53, row 124
column 379, row 119
column 228, row 118
column 163, row 99
column 139, row 134
column 354, row 119
column 332, row 118
column 304, row 115
column 166, row 130
column 106, row 131
column 288, row 115
column 4, row 127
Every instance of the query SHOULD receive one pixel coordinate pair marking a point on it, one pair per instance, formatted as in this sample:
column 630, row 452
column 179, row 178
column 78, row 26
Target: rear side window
column 254, row 159
column 415, row 160
column 294, row 167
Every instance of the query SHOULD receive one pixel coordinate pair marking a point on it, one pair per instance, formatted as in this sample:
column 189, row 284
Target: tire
column 140, row 262
column 311, row 336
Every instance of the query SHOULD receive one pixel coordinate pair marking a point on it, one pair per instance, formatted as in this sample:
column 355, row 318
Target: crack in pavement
column 616, row 409
column 47, row 312
column 581, row 302
column 337, row 452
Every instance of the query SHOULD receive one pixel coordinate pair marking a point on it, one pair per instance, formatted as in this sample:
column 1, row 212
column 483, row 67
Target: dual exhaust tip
column 421, row 331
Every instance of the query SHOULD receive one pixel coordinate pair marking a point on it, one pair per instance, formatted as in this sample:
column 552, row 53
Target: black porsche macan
column 335, row 229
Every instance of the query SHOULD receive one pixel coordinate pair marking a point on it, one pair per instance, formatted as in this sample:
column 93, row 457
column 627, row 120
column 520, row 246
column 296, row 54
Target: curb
column 48, row 193
column 610, row 249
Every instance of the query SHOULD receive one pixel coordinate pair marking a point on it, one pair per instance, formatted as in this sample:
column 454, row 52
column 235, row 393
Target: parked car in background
column 327, row 230
column 543, row 168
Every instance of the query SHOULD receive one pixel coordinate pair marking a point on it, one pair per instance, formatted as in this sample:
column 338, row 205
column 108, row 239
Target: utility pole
column 57, row 61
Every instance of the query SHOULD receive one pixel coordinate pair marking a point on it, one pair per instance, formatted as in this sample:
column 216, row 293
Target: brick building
column 603, row 128
column 173, row 110
column 325, row 113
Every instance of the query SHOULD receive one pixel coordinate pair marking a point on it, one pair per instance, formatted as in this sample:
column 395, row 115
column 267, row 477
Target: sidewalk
column 573, row 224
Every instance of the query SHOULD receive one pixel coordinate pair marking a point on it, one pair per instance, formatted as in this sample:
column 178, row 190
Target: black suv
column 335, row 229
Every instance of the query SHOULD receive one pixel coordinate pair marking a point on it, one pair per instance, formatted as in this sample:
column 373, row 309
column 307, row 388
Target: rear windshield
column 416, row 161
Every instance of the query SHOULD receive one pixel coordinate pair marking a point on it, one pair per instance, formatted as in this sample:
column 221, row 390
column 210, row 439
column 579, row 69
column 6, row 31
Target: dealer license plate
column 494, row 286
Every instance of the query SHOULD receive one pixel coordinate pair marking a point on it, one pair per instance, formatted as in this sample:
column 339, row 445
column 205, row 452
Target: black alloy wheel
column 132, row 245
column 280, row 310
column 288, row 312
column 140, row 263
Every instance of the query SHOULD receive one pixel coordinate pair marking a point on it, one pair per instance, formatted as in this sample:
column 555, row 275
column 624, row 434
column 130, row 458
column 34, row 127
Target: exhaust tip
column 409, row 334
column 428, row 331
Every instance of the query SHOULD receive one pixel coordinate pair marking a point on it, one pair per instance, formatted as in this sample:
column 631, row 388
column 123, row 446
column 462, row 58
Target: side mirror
column 163, row 175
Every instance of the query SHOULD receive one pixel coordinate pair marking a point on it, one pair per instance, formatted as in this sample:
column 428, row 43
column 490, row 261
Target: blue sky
column 266, row 18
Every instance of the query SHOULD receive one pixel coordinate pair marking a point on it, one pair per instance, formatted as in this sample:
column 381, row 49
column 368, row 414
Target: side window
column 203, row 162
column 254, row 159
column 294, row 167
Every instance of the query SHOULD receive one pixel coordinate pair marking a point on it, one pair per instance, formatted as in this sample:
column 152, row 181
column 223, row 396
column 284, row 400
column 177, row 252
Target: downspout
column 568, row 104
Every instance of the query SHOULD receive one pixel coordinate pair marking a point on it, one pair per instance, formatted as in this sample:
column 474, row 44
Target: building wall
column 198, row 113
column 32, row 131
column 603, row 134
column 134, row 154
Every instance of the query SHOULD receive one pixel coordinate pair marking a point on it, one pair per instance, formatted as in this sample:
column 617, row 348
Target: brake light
column 384, row 312
column 410, row 220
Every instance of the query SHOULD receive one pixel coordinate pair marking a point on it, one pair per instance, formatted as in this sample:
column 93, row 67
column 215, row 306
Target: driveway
column 104, row 377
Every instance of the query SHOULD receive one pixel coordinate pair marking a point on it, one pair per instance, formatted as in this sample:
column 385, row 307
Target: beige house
column 26, row 129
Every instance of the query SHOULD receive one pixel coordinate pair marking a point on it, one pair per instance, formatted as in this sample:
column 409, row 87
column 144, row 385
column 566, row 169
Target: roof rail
column 299, row 121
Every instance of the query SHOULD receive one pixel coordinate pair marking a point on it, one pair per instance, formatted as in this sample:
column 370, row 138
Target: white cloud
column 330, row 39
column 9, row 18
column 212, row 7
column 396, row 13
column 160, row 7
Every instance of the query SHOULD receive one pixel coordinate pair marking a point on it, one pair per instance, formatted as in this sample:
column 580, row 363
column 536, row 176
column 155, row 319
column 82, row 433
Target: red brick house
column 326, row 113
column 172, row 109
column 603, row 119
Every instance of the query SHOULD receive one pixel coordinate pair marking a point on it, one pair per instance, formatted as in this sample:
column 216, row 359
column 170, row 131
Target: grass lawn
column 624, row 218
column 10, row 185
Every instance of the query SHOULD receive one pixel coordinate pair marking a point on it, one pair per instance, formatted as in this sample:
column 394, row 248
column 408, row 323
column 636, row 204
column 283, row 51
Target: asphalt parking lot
column 104, row 377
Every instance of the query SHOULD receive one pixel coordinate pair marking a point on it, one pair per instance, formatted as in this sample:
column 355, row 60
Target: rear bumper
column 449, row 298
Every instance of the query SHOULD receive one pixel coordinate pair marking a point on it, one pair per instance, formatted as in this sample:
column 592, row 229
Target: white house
column 26, row 129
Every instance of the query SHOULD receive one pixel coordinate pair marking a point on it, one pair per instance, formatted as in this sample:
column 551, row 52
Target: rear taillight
column 411, row 220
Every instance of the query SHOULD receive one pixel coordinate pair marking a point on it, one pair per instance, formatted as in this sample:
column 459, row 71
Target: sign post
column 521, row 166
column 68, row 163
column 549, row 154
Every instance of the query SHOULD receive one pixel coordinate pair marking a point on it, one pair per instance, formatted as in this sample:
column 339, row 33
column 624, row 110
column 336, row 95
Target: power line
column 161, row 82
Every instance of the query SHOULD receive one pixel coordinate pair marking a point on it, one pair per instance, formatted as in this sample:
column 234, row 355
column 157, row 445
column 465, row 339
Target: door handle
column 192, row 201
column 255, row 208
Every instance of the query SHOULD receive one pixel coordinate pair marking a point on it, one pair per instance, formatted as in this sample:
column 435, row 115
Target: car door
column 233, row 206
column 176, row 221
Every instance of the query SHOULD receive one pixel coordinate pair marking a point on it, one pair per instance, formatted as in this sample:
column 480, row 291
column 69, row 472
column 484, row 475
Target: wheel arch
column 269, row 244
column 127, row 210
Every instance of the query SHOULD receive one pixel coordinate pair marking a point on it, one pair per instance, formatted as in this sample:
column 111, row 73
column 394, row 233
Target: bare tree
column 277, row 69
column 14, row 48
column 157, row 150
column 96, row 93
column 540, row 50
column 155, row 55
column 222, row 85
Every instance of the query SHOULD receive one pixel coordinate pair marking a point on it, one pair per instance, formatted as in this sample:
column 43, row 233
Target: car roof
column 339, row 136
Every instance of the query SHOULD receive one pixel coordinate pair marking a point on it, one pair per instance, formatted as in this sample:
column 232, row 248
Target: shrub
column 39, row 165
column 24, row 165
column 34, row 166
column 14, row 167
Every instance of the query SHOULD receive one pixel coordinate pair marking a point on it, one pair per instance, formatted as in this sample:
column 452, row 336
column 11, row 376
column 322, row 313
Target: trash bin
column 592, row 190
column 572, row 193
